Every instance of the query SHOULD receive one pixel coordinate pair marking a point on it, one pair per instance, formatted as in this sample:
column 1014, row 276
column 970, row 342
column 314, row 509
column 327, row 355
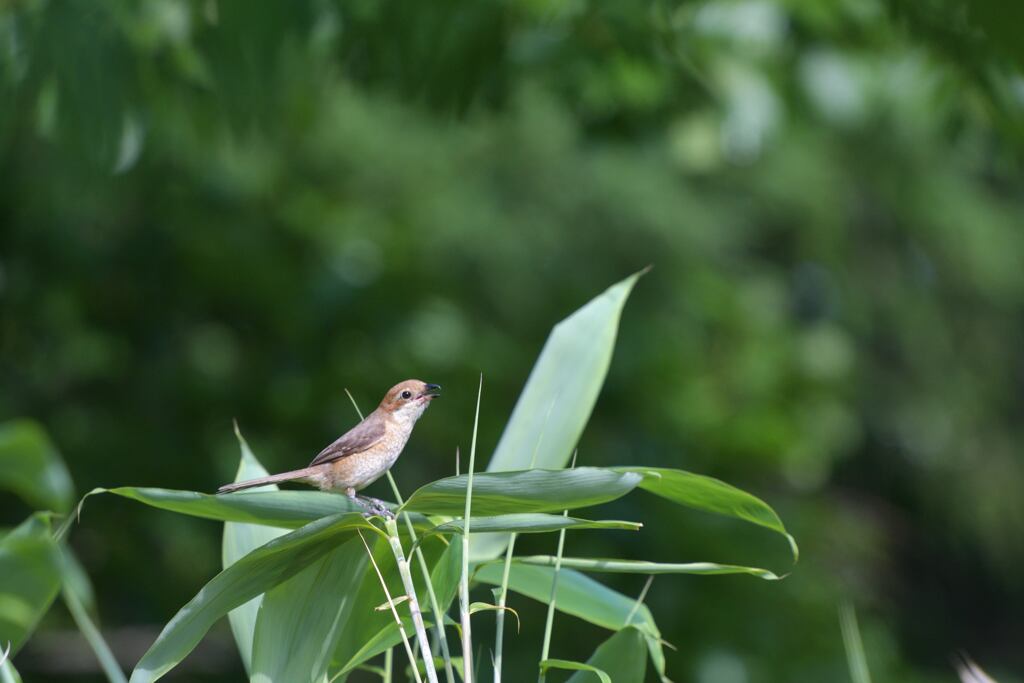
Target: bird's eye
column 406, row 394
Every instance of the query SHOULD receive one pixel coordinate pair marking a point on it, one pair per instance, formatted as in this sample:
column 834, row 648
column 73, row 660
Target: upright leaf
column 240, row 540
column 559, row 395
column 31, row 467
column 29, row 579
column 621, row 657
column 300, row 619
column 256, row 573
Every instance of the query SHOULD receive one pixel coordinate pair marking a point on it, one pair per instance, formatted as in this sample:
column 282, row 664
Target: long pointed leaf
column 498, row 493
column 559, row 395
column 256, row 573
column 300, row 619
column 615, row 566
column 240, row 540
column 29, row 579
column 527, row 523
column 710, row 495
column 621, row 657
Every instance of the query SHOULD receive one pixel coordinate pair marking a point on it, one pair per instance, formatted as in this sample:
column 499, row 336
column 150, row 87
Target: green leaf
column 498, row 493
column 615, row 566
column 525, row 523
column 621, row 657
column 559, row 395
column 31, row 467
column 8, row 674
column 582, row 597
column 29, row 578
column 578, row 595
column 710, row 495
column 286, row 509
column 446, row 574
column 300, row 620
column 77, row 597
column 256, row 573
column 240, row 540
column 575, row 666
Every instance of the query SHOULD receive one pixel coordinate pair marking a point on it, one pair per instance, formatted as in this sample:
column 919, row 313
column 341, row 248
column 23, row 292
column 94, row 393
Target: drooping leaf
column 616, row 566
column 498, row 493
column 78, row 597
column 582, row 597
column 710, row 495
column 575, row 666
column 239, row 540
column 525, row 523
column 621, row 657
column 285, row 509
column 31, row 467
column 300, row 619
column 256, row 573
column 559, row 395
column 29, row 579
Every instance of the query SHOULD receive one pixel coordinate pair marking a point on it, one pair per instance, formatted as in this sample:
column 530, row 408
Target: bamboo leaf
column 575, row 666
column 29, row 578
column 445, row 575
column 559, row 395
column 31, row 467
column 256, row 573
column 285, row 509
column 616, row 566
column 582, row 597
column 300, row 619
column 621, row 657
column 711, row 495
column 239, row 540
column 525, row 523
column 498, row 493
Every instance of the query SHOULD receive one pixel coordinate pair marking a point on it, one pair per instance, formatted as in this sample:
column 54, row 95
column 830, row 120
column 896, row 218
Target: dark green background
column 216, row 210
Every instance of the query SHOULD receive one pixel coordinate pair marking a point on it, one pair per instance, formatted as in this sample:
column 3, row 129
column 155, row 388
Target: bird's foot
column 374, row 507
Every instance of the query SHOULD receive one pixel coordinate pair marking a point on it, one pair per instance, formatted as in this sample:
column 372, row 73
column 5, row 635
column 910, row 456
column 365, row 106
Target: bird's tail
column 294, row 475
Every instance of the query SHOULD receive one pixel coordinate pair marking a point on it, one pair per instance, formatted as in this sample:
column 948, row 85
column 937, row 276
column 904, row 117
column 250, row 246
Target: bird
column 364, row 453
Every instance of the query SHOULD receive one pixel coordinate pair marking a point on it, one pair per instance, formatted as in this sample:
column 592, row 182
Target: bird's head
column 408, row 399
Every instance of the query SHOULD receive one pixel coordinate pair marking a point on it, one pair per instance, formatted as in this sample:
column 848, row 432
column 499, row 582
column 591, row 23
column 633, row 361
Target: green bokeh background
column 220, row 209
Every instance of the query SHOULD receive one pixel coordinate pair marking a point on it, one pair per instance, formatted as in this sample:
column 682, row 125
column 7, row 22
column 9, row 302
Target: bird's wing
column 355, row 440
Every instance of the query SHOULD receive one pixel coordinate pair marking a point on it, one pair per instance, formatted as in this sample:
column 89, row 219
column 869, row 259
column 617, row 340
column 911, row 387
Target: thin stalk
column 499, row 617
column 639, row 600
column 467, row 638
column 549, row 622
column 414, row 604
column 394, row 611
column 92, row 635
column 855, row 657
column 435, row 607
column 389, row 656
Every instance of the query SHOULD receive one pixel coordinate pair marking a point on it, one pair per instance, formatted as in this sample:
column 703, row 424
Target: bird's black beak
column 432, row 390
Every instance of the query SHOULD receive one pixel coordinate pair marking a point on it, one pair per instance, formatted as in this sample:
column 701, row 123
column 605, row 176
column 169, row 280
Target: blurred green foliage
column 225, row 209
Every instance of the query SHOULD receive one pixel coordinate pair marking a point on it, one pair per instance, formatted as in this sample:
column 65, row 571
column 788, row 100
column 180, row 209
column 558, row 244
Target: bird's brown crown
column 409, row 392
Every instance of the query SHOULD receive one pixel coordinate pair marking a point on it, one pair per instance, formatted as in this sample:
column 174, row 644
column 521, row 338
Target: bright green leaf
column 575, row 666
column 527, row 523
column 240, row 540
column 300, row 619
column 255, row 573
column 497, row 493
column 710, row 495
column 621, row 657
column 559, row 395
column 616, row 566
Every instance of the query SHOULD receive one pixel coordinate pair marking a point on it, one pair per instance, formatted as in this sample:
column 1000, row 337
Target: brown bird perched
column 363, row 454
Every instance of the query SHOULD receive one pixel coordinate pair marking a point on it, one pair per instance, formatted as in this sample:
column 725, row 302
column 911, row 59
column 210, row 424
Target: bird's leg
column 373, row 506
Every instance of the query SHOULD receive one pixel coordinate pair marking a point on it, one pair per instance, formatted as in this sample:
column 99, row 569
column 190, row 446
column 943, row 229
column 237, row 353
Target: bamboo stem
column 467, row 638
column 414, row 604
